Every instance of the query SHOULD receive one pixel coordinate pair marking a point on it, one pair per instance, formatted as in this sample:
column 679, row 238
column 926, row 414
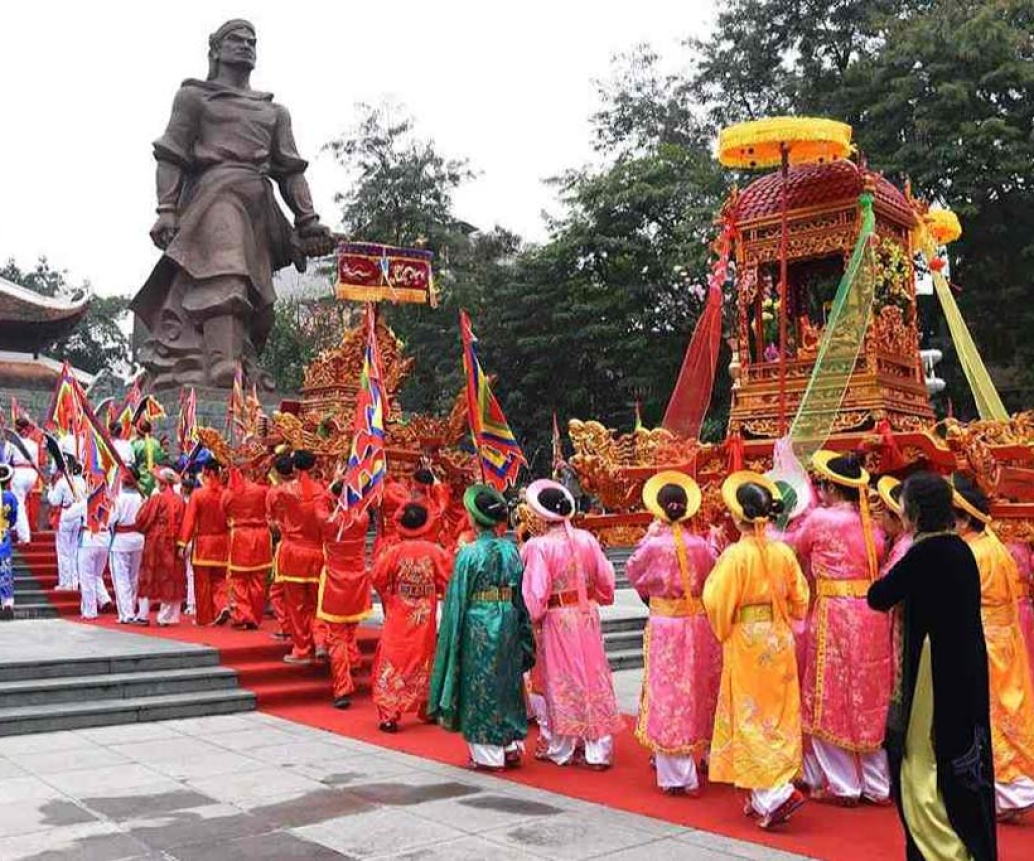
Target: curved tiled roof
column 814, row 185
column 30, row 321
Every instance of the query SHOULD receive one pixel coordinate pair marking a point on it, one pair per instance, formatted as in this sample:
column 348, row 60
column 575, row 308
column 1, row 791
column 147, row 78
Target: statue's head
column 232, row 44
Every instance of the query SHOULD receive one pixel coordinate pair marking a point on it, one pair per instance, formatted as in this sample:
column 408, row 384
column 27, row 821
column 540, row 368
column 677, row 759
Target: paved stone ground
column 60, row 639
column 256, row 787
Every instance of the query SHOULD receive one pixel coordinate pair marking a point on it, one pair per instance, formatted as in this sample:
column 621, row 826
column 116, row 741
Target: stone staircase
column 624, row 623
column 58, row 675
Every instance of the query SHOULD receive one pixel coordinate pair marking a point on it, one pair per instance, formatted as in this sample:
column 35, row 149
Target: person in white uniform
column 64, row 492
column 127, row 546
column 26, row 474
column 123, row 447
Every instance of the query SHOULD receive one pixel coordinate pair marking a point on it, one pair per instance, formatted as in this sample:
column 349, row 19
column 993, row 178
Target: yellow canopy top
column 943, row 225
column 758, row 144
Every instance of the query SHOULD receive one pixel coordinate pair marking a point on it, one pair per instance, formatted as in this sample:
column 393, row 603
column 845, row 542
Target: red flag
column 692, row 394
column 129, row 408
column 500, row 456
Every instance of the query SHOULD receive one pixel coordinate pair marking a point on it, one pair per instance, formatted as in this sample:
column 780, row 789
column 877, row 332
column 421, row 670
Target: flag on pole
column 638, row 417
column 367, row 463
column 129, row 408
column 558, row 445
column 186, row 424
column 235, row 405
column 16, row 410
column 500, row 456
column 65, row 407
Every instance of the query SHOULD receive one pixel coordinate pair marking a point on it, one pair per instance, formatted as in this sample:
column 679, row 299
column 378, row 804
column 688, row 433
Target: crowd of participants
column 771, row 661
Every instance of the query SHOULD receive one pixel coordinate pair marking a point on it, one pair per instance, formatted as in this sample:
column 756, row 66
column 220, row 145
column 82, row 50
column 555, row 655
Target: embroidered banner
column 368, row 272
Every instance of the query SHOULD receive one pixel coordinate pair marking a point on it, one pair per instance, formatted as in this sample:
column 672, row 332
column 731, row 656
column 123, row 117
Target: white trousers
column 169, row 614
column 91, row 580
column 125, row 575
column 562, row 749
column 492, row 755
column 676, row 772
column 22, row 483
column 541, row 714
column 66, row 542
column 767, row 801
column 1018, row 795
column 847, row 774
column 191, row 603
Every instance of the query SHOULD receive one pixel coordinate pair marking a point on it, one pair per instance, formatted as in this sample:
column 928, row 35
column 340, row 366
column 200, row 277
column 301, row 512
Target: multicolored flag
column 235, row 422
column 558, row 445
column 186, row 424
column 65, row 410
column 500, row 456
column 367, row 463
column 129, row 408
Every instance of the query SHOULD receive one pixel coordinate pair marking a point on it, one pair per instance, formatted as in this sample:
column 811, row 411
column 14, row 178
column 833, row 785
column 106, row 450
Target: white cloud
column 88, row 86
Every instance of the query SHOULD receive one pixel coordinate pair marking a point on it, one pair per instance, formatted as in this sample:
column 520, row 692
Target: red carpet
column 303, row 695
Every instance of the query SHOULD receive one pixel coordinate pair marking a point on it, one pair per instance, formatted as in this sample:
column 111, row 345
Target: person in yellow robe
column 1012, row 690
column 754, row 591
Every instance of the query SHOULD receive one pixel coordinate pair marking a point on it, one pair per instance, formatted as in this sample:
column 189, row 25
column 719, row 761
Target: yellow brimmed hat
column 885, row 487
column 962, row 504
column 653, row 487
column 820, row 462
column 735, row 481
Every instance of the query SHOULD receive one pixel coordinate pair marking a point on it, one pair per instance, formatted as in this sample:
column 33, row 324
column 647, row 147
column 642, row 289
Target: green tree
column 402, row 195
column 599, row 317
column 98, row 342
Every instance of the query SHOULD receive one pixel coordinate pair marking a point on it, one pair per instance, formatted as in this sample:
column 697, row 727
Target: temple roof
column 818, row 185
column 29, row 321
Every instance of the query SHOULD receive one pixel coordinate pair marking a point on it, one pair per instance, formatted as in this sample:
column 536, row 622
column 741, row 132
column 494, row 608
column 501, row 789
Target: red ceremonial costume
column 163, row 575
column 299, row 558
column 345, row 596
column 251, row 549
column 410, row 577
column 204, row 524
column 435, row 497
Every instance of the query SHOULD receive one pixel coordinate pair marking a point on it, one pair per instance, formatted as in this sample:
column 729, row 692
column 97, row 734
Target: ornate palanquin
column 824, row 220
column 886, row 411
column 322, row 420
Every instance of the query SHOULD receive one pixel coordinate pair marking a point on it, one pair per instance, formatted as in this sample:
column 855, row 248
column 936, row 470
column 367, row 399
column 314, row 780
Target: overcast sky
column 87, row 87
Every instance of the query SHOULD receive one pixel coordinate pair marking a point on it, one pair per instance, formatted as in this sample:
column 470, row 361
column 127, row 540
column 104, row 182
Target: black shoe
column 389, row 726
column 344, row 703
column 6, row 613
column 223, row 617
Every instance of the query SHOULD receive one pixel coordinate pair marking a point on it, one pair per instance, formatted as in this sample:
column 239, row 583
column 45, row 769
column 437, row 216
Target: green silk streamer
column 841, row 343
column 988, row 401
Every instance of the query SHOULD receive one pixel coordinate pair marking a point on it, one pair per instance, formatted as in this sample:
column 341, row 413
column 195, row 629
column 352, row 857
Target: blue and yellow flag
column 500, row 456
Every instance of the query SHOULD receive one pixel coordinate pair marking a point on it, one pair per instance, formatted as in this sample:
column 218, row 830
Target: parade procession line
column 302, row 695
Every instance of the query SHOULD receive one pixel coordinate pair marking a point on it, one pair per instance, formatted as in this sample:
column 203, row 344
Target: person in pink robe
column 566, row 575
column 848, row 678
column 1021, row 552
column 683, row 657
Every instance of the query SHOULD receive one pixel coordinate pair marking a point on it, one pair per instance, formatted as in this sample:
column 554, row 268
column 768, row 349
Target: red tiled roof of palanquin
column 813, row 185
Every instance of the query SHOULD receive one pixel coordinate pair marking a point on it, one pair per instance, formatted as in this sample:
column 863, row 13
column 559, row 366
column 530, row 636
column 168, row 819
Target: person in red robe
column 345, row 594
column 251, row 549
column 283, row 470
column 299, row 557
column 163, row 573
column 205, row 524
column 410, row 578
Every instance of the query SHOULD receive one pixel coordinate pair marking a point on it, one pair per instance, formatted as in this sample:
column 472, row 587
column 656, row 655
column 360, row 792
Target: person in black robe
column 938, row 735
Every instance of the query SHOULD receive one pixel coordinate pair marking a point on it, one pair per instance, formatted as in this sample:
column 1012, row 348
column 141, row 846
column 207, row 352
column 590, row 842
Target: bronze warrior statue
column 209, row 301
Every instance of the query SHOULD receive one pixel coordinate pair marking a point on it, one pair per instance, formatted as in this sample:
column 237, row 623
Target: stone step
column 35, row 611
column 626, row 659
column 64, row 716
column 15, row 670
column 32, row 692
column 620, row 641
column 623, row 623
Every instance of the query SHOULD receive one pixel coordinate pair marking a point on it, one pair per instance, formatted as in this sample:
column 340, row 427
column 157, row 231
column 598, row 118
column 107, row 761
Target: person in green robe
column 485, row 642
column 148, row 453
